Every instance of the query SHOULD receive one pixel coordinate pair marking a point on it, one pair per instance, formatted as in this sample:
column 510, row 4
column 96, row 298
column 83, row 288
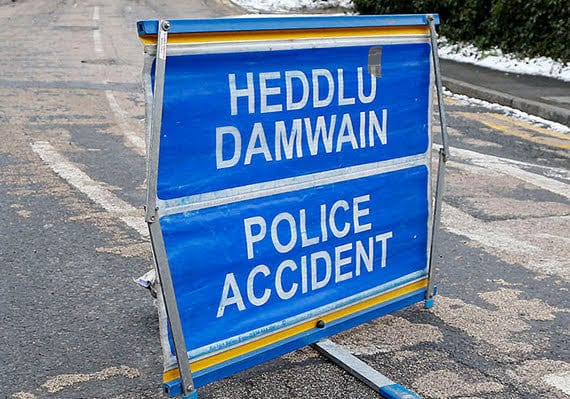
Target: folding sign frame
column 206, row 339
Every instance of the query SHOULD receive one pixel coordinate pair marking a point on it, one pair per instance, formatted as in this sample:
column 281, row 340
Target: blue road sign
column 279, row 114
column 292, row 181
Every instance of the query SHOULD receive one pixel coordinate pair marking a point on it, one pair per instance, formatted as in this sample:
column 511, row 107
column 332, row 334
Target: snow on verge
column 495, row 59
column 272, row 6
column 514, row 113
column 460, row 52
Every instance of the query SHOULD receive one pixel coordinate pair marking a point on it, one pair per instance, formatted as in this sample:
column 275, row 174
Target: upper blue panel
column 236, row 119
column 150, row 27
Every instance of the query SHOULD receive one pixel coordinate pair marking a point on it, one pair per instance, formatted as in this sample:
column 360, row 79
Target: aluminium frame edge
column 439, row 86
column 151, row 214
column 168, row 358
column 431, row 186
column 442, row 159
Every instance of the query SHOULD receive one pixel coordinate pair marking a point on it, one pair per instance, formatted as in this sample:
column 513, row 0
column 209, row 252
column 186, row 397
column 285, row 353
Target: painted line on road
column 98, row 44
column 512, row 113
column 494, row 235
column 97, row 34
column 514, row 169
column 504, row 238
column 60, row 382
column 458, row 222
column 96, row 13
column 23, row 395
column 530, row 126
column 130, row 215
column 501, row 125
column 559, row 381
column 133, row 140
column 473, row 154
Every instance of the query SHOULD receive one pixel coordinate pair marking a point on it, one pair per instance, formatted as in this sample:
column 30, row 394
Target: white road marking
column 133, row 140
column 514, row 168
column 559, row 381
column 458, row 222
column 58, row 383
column 508, row 111
column 513, row 246
column 23, row 395
column 96, row 13
column 98, row 44
column 511, row 243
column 131, row 216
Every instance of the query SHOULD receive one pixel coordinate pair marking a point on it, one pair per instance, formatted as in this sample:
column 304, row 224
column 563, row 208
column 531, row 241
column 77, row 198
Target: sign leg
column 387, row 388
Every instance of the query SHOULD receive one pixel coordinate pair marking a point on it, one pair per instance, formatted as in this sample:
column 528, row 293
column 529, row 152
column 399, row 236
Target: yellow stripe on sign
column 292, row 331
column 520, row 129
column 238, row 36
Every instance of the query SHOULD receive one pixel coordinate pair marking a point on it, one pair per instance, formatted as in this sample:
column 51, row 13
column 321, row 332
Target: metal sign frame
column 160, row 42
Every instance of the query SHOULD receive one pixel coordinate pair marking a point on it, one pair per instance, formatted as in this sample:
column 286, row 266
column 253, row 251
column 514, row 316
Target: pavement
column 545, row 97
column 535, row 95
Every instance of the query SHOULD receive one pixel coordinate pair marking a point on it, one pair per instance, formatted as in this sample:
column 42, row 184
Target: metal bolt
column 165, row 25
column 320, row 324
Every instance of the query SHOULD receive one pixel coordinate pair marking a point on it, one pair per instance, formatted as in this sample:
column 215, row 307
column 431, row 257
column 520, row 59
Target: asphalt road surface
column 74, row 325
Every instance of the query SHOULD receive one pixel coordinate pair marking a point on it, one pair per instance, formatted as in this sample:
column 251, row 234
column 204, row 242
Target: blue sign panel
column 263, row 262
column 260, row 116
column 292, row 182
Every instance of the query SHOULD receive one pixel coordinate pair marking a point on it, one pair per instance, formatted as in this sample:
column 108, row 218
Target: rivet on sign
column 166, row 25
column 320, row 324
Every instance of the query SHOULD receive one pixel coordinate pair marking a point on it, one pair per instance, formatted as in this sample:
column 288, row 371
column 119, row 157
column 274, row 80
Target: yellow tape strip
column 298, row 329
column 238, row 36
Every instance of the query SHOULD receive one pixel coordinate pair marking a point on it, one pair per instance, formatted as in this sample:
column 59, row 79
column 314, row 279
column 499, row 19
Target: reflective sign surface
column 246, row 118
column 293, row 193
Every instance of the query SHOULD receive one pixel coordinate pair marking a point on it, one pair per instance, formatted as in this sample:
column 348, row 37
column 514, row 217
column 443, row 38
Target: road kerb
column 546, row 111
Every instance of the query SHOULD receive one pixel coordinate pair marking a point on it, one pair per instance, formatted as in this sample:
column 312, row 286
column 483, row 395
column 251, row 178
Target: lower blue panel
column 203, row 377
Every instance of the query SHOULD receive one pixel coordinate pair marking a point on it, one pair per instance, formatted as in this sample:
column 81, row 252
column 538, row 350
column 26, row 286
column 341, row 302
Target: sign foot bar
column 387, row 388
